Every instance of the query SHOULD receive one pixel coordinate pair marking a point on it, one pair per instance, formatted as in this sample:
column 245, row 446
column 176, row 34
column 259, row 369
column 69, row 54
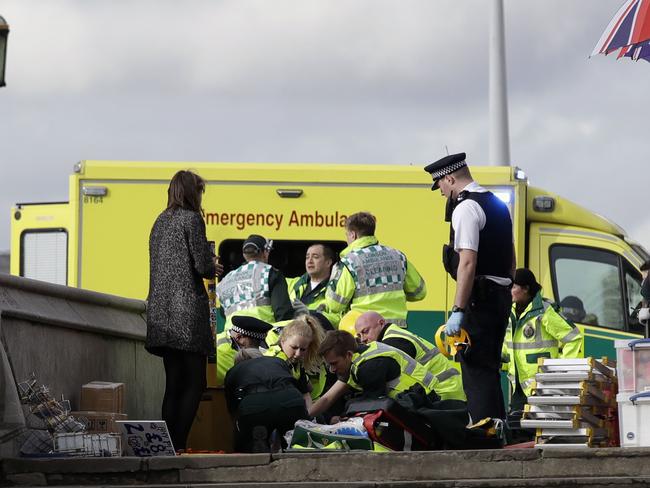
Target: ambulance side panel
column 114, row 229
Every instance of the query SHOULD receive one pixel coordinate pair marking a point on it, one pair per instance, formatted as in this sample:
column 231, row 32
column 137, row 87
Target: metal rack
column 573, row 404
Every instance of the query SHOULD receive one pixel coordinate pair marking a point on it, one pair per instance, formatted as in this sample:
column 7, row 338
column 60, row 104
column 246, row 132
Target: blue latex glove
column 453, row 324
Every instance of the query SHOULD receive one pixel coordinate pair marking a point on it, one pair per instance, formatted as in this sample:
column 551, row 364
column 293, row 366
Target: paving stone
column 27, row 479
column 208, row 461
column 72, row 465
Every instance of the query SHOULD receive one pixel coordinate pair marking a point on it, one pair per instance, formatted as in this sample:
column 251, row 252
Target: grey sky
column 358, row 81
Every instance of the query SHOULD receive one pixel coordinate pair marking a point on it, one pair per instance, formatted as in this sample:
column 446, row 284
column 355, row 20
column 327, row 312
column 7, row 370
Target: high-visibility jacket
column 226, row 352
column 246, row 291
column 317, row 380
column 411, row 372
column 540, row 332
column 297, row 288
column 450, row 383
column 374, row 277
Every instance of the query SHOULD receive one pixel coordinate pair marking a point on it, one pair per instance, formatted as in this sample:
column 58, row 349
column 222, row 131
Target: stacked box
column 102, row 404
column 573, row 404
column 99, row 422
column 633, row 367
column 102, row 396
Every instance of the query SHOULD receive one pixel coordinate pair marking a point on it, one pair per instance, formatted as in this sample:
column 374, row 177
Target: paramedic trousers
column 485, row 321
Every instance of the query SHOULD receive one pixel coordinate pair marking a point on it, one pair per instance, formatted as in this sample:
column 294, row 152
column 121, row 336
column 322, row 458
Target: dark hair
column 363, row 223
column 328, row 252
column 185, row 191
column 338, row 341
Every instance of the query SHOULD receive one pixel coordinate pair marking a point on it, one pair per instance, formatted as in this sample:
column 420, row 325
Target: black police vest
column 495, row 239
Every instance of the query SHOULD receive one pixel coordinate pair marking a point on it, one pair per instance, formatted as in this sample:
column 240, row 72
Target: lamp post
column 4, row 33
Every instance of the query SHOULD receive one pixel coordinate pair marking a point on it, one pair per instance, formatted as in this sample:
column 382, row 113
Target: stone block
column 207, row 461
column 27, row 479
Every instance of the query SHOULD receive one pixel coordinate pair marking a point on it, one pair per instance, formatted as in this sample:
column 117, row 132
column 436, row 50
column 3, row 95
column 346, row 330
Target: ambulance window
column 592, row 275
column 287, row 256
column 44, row 255
column 633, row 289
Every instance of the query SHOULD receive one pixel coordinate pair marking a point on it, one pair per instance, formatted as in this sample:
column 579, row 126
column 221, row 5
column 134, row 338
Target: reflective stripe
column 526, row 383
column 364, row 292
column 533, row 345
column 428, row 379
column 429, row 355
column 509, row 344
column 445, row 375
column 380, row 349
column 392, row 384
column 417, row 291
column 337, row 298
column 407, row 336
column 571, row 335
column 398, row 322
column 223, row 340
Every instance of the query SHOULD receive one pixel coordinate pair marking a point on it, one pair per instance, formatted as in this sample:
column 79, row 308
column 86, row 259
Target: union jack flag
column 629, row 31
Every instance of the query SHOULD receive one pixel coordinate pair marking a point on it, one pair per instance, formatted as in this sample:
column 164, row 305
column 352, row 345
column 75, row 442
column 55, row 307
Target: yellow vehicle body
column 112, row 206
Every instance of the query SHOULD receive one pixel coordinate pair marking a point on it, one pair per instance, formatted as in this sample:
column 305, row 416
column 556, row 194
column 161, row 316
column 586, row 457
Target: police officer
column 480, row 257
column 536, row 330
column 262, row 395
column 371, row 276
column 255, row 289
column 245, row 332
column 371, row 327
column 374, row 369
column 307, row 292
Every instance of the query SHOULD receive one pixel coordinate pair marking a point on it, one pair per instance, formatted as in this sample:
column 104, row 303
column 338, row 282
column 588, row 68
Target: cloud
column 359, row 81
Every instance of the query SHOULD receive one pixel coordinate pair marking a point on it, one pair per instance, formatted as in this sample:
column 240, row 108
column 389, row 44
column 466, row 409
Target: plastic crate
column 633, row 365
column 88, row 445
column 633, row 415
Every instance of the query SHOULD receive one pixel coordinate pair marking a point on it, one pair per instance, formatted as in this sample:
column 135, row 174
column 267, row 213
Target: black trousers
column 485, row 320
column 277, row 409
column 185, row 383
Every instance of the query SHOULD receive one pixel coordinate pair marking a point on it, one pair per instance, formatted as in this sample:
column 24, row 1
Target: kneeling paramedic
column 262, row 396
column 374, row 369
column 245, row 332
column 371, row 327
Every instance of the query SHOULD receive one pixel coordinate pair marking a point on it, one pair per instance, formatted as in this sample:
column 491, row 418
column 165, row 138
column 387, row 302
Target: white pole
column 499, row 133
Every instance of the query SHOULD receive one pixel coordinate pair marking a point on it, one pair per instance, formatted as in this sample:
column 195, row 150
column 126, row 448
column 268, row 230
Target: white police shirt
column 467, row 220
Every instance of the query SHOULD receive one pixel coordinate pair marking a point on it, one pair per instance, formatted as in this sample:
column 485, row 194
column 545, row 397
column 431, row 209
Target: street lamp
column 4, row 33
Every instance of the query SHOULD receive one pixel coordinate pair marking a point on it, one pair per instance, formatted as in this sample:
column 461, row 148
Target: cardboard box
column 102, row 396
column 213, row 428
column 99, row 422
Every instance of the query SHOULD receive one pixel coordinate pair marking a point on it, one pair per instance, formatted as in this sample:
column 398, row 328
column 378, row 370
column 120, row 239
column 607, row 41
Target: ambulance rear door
column 40, row 246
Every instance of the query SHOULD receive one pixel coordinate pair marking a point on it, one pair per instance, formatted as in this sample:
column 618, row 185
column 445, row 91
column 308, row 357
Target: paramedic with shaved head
column 371, row 326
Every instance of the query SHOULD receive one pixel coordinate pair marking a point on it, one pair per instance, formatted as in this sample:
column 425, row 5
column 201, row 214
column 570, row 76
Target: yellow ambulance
column 98, row 239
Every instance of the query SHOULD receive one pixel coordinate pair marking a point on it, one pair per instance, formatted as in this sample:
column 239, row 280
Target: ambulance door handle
column 286, row 193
